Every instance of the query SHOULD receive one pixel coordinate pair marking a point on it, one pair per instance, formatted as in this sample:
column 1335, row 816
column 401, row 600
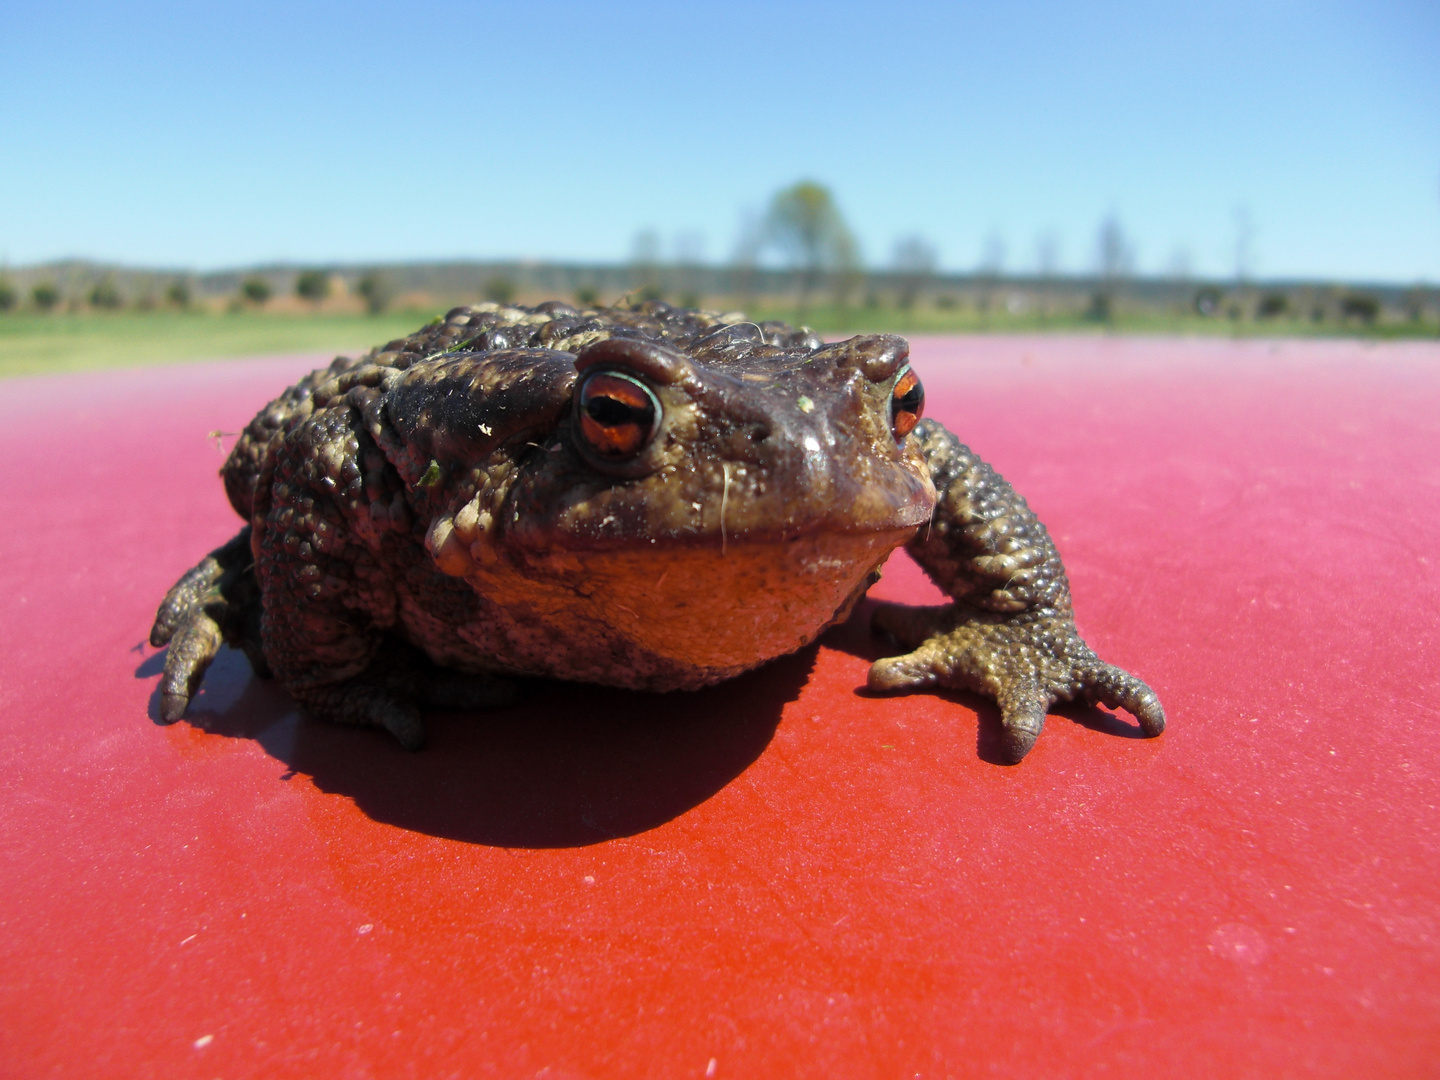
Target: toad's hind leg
column 389, row 688
column 215, row 603
column 1010, row 633
column 335, row 579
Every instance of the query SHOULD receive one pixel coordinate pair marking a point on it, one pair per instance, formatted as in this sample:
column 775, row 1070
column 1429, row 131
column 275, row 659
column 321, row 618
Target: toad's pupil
column 612, row 411
column 907, row 404
column 617, row 414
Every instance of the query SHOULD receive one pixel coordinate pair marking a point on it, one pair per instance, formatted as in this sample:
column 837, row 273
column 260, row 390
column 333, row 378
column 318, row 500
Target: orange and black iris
column 907, row 404
column 618, row 414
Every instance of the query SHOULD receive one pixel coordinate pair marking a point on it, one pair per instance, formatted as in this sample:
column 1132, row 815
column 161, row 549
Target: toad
column 640, row 496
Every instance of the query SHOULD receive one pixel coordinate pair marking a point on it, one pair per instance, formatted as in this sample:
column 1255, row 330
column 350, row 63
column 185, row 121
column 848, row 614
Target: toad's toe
column 1024, row 666
column 173, row 706
column 1116, row 688
column 1022, row 713
column 913, row 671
column 193, row 646
column 403, row 721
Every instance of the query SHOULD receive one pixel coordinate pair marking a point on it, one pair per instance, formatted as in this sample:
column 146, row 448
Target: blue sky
column 198, row 135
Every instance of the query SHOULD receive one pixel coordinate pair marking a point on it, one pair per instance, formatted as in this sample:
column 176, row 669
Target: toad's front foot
column 1025, row 663
column 215, row 603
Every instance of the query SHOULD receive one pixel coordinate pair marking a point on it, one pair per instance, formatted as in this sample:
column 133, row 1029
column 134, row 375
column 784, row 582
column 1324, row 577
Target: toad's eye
column 618, row 414
column 907, row 404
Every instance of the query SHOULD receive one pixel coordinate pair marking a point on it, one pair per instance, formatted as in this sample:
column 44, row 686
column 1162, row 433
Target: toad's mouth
column 715, row 501
column 594, row 522
column 678, row 616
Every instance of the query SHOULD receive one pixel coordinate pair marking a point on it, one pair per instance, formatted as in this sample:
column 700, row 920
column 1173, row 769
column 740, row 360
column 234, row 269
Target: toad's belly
column 662, row 618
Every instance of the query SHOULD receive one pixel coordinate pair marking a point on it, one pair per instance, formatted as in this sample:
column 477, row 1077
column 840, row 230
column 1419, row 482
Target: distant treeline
column 81, row 285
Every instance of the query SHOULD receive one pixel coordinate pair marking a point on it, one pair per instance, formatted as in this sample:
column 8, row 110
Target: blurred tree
column 255, row 289
column 177, row 293
column 1102, row 306
column 1115, row 256
column 689, row 258
column 914, row 262
column 1047, row 269
column 745, row 260
column 8, row 296
column 1207, row 300
column 1182, row 264
column 312, row 285
column 807, row 227
column 374, row 289
column 1047, row 253
column 1360, row 306
column 645, row 265
column 501, row 290
column 1244, row 244
column 105, row 295
column 849, row 273
column 1115, row 259
column 992, row 266
column 992, row 255
column 1272, row 305
column 45, row 295
column 586, row 295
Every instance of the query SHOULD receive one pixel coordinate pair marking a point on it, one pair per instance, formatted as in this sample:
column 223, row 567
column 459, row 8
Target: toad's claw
column 1022, row 715
column 1026, row 665
column 213, row 603
column 1116, row 688
column 1022, row 704
column 403, row 721
column 192, row 647
column 913, row 671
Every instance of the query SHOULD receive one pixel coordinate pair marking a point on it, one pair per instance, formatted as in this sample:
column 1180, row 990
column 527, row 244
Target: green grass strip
column 36, row 344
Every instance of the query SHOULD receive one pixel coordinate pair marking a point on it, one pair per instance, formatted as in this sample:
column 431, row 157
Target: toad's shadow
column 569, row 765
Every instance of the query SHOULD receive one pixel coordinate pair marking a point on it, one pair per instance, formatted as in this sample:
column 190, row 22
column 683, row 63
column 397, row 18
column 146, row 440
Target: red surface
column 781, row 875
